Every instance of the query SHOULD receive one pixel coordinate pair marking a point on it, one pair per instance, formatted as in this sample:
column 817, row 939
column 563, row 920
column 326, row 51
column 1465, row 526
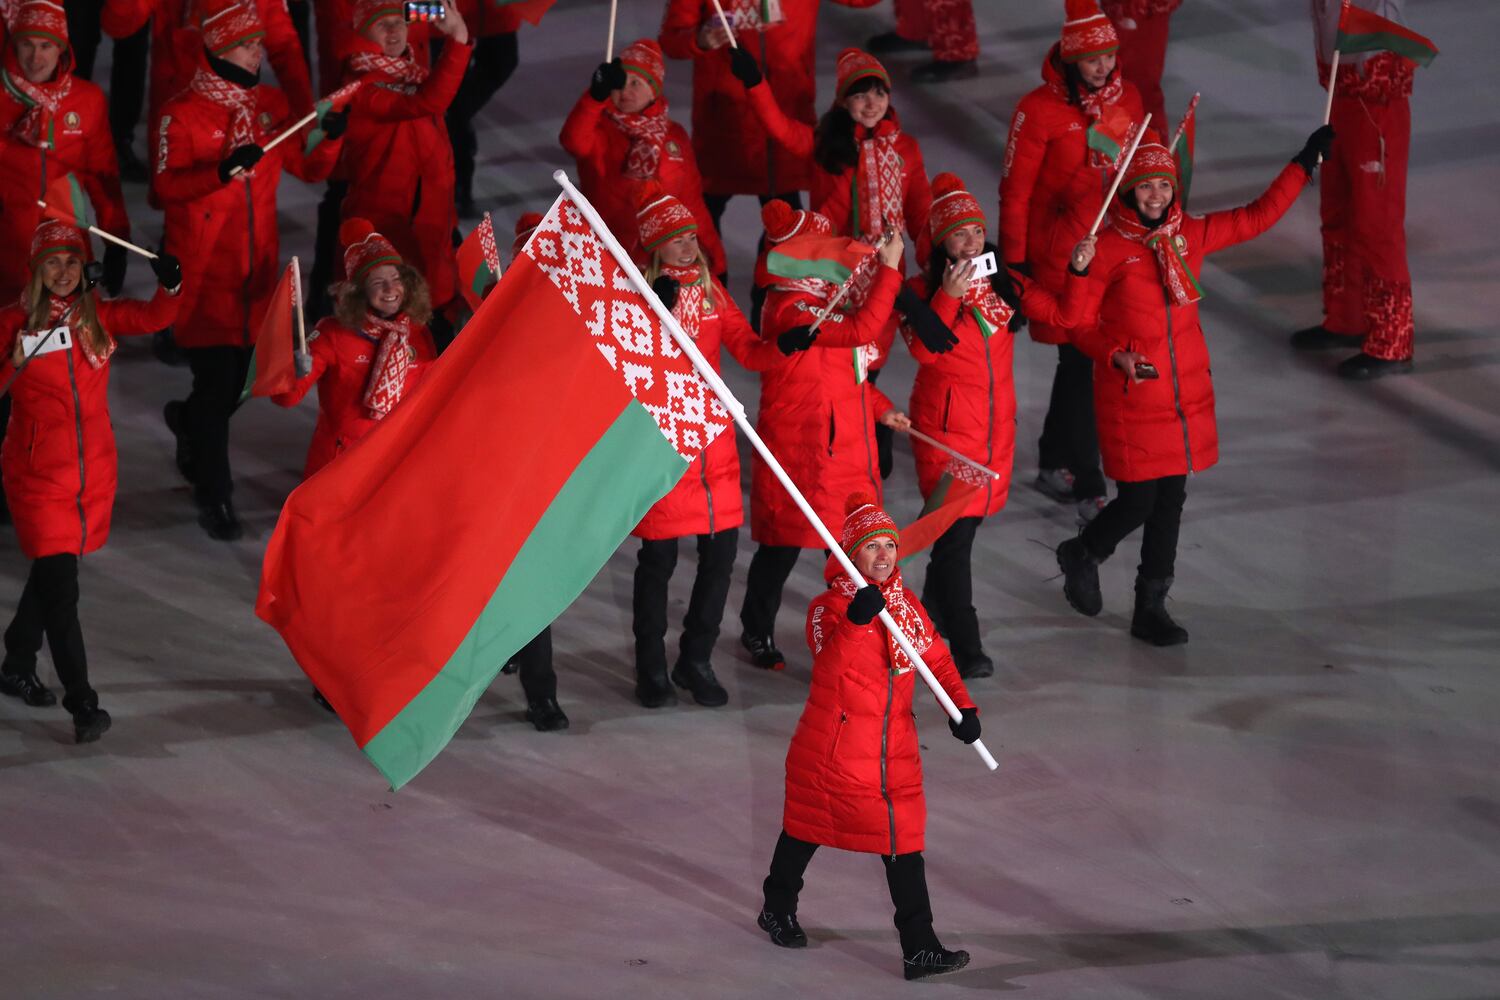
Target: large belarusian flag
column 1361, row 30
column 404, row 575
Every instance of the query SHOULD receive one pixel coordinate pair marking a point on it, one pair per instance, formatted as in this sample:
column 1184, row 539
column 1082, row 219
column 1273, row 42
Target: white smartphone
column 57, row 339
column 984, row 265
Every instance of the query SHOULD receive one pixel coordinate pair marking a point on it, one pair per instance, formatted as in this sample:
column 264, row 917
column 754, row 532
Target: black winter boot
column 546, row 715
column 28, row 687
column 89, row 724
column 763, row 651
column 934, row 963
column 172, row 414
column 784, row 930
column 1319, row 338
column 1151, row 621
column 1080, row 577
column 700, row 680
column 653, row 689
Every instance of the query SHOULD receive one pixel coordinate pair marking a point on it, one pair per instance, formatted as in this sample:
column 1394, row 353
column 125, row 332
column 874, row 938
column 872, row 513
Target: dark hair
column 1000, row 281
column 834, row 148
column 1074, row 80
column 1128, row 197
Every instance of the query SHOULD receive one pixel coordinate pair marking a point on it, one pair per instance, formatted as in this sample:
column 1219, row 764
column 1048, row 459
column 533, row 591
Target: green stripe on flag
column 786, row 266
column 1101, row 143
column 249, row 378
column 1387, row 41
column 585, row 521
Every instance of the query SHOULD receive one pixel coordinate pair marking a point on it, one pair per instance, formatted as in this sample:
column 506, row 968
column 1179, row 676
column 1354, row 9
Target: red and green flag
column 336, row 101
column 944, row 506
column 1184, row 147
column 831, row 258
column 478, row 263
column 1111, row 134
column 1362, row 30
column 65, row 201
column 542, row 436
column 273, row 367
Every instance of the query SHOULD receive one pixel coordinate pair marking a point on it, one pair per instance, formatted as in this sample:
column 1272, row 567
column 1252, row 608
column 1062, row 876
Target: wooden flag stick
column 1182, row 125
column 283, row 137
column 1333, row 76
column 297, row 305
column 934, row 442
column 112, row 238
column 725, row 22
column 1119, row 176
column 609, row 44
column 845, row 288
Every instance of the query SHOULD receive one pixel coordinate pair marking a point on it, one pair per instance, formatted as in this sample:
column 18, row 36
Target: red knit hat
column 1151, row 160
column 227, row 23
column 367, row 12
column 644, row 59
column 1087, row 31
column 525, row 226
column 782, row 222
column 364, row 248
column 52, row 237
column 42, row 19
column 952, row 206
column 864, row 520
column 661, row 216
column 854, row 65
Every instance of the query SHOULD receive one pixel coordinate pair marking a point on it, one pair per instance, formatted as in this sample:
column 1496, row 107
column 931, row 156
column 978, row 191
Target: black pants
column 769, row 569
column 49, row 607
column 948, row 591
column 885, row 439
column 1069, row 438
column 218, row 378
column 128, row 69
column 716, row 204
column 1156, row 503
column 705, row 610
column 905, row 875
column 534, row 660
column 495, row 59
column 325, row 246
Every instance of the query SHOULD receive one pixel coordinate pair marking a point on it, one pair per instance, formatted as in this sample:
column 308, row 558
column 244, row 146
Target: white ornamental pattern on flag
column 626, row 331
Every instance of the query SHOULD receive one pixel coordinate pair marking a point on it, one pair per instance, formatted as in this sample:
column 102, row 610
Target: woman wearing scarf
column 397, row 157
column 817, row 418
column 853, row 771
column 706, row 502
column 621, row 137
column 1043, row 182
column 1153, row 391
column 966, row 397
column 218, row 185
column 59, row 458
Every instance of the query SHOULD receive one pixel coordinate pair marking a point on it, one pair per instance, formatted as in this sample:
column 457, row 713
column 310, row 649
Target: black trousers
column 1155, row 503
column 128, row 66
column 218, row 378
column 49, row 608
column 769, row 569
column 495, row 59
column 325, row 246
column 948, row 591
column 885, row 439
column 705, row 610
column 905, row 875
column 1069, row 438
column 534, row 663
column 716, row 204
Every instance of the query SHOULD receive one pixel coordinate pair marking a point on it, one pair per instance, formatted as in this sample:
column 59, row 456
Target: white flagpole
column 935, row 443
column 737, row 411
column 725, row 22
column 297, row 304
column 609, row 45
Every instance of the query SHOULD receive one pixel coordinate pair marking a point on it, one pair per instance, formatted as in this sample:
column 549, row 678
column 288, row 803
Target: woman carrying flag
column 59, row 457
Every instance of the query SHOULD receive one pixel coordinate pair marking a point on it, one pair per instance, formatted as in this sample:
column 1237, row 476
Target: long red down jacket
column 341, row 360
column 1165, row 426
column 817, row 420
column 734, row 151
column 853, row 772
column 1047, row 198
column 600, row 149
column 966, row 398
column 226, row 233
column 59, row 452
column 707, row 497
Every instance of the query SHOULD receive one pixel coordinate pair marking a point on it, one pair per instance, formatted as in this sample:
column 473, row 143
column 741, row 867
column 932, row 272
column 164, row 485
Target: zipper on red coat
column 885, row 729
column 872, row 465
column 249, row 277
column 83, row 521
column 989, row 455
column 1187, row 444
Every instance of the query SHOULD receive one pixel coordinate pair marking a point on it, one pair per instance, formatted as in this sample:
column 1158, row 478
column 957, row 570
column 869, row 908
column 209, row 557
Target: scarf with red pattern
column 401, row 73
column 37, row 123
column 879, row 182
column 1091, row 102
column 987, row 308
column 692, row 298
column 57, row 308
column 240, row 101
column 647, row 132
column 393, row 361
column 902, row 609
column 751, row 15
column 1166, row 242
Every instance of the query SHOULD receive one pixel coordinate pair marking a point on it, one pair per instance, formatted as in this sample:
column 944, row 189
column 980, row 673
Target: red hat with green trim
column 227, row 23
column 41, row 19
column 367, row 12
column 855, row 65
column 1087, row 32
column 54, row 237
column 661, row 216
column 782, row 222
column 952, row 206
column 644, row 59
column 525, row 226
column 1151, row 160
column 864, row 520
column 364, row 248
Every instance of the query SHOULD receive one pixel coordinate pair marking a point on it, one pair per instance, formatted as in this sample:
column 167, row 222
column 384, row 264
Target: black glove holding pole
column 967, row 728
column 115, row 258
column 168, row 271
column 608, row 78
column 240, row 158
column 868, row 602
column 666, row 290
column 743, row 65
column 931, row 331
column 335, row 124
column 798, row 338
column 1316, row 149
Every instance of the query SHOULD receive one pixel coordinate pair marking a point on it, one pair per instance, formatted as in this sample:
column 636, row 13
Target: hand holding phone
column 1145, row 370
column 423, row 10
column 984, row 266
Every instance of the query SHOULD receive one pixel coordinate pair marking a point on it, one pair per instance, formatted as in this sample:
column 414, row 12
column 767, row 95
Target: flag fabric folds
column 478, row 262
column 1361, row 30
column 272, row 364
column 1111, row 134
column 336, row 101
column 944, row 506
column 1184, row 147
column 66, row 202
column 831, row 258
column 405, row 574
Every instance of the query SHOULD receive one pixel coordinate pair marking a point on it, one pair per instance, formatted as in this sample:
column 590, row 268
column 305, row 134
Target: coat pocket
column 838, row 734
column 947, row 407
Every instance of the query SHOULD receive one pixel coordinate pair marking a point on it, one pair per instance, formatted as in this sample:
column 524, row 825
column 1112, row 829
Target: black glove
column 967, row 729
column 115, row 259
column 1317, row 147
column 743, row 65
column 168, row 270
column 867, row 603
column 931, row 331
column 240, row 158
column 335, row 124
column 798, row 338
column 666, row 290
column 608, row 78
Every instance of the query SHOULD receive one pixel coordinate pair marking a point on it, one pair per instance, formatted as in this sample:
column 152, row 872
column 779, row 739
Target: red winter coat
column 966, row 397
column 600, row 149
column 341, row 360
column 1165, row 426
column 83, row 147
column 399, row 164
column 816, row 419
column 853, row 772
column 707, row 497
column 59, row 451
column 226, row 233
column 1045, row 188
column 734, row 151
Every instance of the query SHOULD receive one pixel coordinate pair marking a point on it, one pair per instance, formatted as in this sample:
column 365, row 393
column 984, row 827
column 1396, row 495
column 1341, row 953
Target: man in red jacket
column 218, row 185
